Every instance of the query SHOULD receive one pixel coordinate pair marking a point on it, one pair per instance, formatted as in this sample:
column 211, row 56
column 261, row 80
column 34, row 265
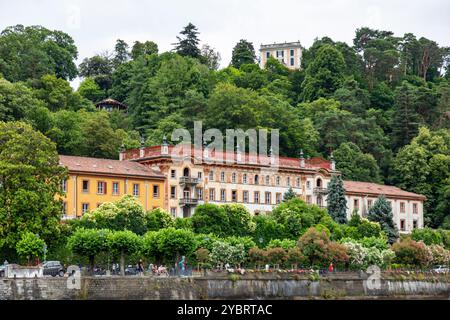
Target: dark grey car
column 53, row 268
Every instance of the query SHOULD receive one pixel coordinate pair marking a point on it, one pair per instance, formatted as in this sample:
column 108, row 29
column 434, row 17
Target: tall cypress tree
column 381, row 212
column 336, row 202
column 188, row 46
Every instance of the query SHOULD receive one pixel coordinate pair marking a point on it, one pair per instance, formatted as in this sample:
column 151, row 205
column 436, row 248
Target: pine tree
column 121, row 53
column 189, row 45
column 243, row 53
column 381, row 212
column 336, row 202
column 290, row 194
column 406, row 118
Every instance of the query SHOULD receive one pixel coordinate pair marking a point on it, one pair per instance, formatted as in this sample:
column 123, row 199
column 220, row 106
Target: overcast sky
column 95, row 25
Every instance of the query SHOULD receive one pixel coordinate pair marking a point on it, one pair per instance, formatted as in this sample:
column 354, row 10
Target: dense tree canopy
column 31, row 52
column 366, row 101
column 30, row 181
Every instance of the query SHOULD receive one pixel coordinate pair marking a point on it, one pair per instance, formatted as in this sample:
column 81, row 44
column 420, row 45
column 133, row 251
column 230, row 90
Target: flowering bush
column 410, row 252
column 276, row 256
column 357, row 254
column 257, row 256
column 223, row 253
column 319, row 250
column 294, row 257
column 438, row 255
column 362, row 256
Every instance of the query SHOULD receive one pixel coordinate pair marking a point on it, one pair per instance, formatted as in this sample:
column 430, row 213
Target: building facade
column 407, row 207
column 253, row 181
column 180, row 179
column 202, row 176
column 93, row 181
column 288, row 53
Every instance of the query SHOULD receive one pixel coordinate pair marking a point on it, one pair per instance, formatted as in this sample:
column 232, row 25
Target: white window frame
column 136, row 189
column 245, row 196
column 115, row 188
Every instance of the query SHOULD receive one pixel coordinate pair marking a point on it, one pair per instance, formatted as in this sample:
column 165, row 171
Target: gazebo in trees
column 110, row 105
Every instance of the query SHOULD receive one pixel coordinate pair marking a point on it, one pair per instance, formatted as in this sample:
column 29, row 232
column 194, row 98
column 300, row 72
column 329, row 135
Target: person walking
column 182, row 264
column 141, row 267
column 331, row 268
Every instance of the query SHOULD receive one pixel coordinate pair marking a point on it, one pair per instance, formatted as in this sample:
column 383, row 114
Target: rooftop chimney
column 238, row 154
column 165, row 146
column 122, row 152
column 272, row 158
column 333, row 162
column 302, row 159
column 205, row 150
column 142, row 148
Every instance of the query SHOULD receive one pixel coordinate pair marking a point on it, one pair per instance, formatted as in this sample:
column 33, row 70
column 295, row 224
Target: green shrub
column 286, row 244
column 427, row 235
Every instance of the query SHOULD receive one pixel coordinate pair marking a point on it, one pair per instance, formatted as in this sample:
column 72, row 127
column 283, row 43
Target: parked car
column 441, row 269
column 53, row 268
column 130, row 270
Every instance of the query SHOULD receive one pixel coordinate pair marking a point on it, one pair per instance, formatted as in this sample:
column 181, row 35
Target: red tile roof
column 107, row 166
column 285, row 162
column 369, row 188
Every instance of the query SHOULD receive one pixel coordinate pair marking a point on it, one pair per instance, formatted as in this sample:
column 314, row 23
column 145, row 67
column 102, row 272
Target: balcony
column 320, row 190
column 189, row 181
column 188, row 201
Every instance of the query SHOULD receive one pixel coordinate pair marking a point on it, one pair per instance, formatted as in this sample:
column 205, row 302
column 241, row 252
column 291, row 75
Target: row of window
column 102, row 188
column 245, row 196
column 403, row 224
column 222, row 196
column 173, row 174
column 245, row 179
column 85, row 207
column 280, row 54
column 370, row 203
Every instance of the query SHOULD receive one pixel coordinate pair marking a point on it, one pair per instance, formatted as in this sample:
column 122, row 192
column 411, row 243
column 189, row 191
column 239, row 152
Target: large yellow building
column 92, row 182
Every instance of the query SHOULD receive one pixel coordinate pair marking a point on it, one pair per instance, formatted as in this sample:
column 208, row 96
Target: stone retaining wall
column 221, row 286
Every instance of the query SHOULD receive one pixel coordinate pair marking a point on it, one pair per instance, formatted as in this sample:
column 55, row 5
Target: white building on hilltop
column 288, row 53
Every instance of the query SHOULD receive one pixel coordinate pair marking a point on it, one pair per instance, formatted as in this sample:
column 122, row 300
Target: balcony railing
column 188, row 201
column 320, row 190
column 189, row 180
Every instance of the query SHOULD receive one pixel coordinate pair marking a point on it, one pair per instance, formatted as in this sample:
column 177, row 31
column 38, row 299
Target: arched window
column 244, row 178
column 222, row 176
column 256, row 179
column 319, row 183
column 211, row 176
column 233, row 177
column 278, row 181
column 288, row 181
column 186, row 172
column 267, row 180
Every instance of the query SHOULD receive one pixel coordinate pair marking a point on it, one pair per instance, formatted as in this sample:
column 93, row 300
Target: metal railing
column 188, row 201
column 189, row 180
column 320, row 190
